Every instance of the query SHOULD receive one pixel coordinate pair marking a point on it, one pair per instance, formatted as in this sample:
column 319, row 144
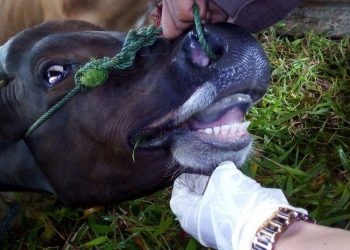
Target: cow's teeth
column 234, row 129
column 208, row 131
column 225, row 129
column 216, row 130
column 245, row 125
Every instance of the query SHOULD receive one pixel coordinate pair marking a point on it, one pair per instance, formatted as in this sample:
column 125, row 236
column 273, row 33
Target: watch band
column 271, row 230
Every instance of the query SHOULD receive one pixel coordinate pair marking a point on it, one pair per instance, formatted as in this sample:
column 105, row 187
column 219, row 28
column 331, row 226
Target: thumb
column 187, row 192
column 228, row 180
column 190, row 184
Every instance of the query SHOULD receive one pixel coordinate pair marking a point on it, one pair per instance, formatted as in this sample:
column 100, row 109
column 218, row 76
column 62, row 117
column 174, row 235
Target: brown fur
column 17, row 15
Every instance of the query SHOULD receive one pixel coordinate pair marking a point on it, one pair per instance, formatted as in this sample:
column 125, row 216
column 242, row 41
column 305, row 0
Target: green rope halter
column 95, row 72
column 200, row 32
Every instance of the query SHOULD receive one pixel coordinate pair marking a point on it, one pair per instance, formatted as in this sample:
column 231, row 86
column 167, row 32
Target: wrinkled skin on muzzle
column 173, row 111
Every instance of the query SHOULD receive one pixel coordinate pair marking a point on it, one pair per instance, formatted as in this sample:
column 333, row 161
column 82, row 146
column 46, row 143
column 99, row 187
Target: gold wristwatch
column 270, row 231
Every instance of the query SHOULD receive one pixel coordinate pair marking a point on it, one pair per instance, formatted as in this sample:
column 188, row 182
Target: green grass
column 302, row 140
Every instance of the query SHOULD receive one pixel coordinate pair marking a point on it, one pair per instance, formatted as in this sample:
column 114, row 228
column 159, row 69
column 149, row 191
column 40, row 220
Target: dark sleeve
column 257, row 14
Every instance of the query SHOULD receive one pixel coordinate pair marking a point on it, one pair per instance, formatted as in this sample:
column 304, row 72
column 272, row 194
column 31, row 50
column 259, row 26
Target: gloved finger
column 187, row 193
column 226, row 165
column 190, row 184
column 228, row 172
column 182, row 208
column 228, row 181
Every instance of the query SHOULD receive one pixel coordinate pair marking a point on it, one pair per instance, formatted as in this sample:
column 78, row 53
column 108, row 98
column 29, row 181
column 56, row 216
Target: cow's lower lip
column 219, row 125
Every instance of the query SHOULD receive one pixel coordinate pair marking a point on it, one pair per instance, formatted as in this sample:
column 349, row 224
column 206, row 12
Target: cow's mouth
column 220, row 125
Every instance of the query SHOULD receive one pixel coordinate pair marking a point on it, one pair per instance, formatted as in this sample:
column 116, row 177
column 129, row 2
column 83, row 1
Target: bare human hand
column 177, row 15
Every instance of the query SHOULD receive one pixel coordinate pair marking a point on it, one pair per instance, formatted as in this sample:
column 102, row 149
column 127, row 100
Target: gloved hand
column 226, row 211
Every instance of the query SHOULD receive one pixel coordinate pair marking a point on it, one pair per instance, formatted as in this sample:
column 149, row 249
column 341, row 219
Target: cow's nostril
column 195, row 53
column 216, row 45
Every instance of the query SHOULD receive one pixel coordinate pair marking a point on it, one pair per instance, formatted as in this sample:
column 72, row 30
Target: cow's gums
column 178, row 110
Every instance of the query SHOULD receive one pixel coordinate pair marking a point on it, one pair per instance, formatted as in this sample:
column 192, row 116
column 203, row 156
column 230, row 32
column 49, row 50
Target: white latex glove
column 229, row 212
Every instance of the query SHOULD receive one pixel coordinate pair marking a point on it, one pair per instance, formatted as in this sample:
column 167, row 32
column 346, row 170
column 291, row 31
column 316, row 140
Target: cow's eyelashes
column 55, row 74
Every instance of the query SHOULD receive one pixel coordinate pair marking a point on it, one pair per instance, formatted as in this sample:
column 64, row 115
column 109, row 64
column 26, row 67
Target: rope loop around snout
column 200, row 32
column 95, row 72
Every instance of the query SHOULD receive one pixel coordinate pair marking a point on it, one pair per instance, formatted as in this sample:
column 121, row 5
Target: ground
column 302, row 146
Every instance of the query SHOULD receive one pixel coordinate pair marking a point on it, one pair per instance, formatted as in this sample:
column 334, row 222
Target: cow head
column 173, row 111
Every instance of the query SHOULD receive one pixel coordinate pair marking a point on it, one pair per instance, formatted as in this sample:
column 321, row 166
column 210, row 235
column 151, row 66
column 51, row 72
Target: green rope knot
column 95, row 72
column 92, row 76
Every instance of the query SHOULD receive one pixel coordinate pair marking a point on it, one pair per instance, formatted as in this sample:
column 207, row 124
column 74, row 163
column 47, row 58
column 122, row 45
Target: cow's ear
column 19, row 171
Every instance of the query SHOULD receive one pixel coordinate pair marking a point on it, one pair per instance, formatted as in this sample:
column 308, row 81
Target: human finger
column 216, row 13
column 183, row 9
column 170, row 30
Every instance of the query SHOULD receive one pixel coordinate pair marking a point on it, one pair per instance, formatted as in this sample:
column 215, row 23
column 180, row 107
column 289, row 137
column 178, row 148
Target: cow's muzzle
column 224, row 90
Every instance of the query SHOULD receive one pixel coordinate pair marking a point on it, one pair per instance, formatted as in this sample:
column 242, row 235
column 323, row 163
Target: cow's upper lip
column 221, row 123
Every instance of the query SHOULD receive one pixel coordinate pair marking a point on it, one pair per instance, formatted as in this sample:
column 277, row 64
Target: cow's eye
column 55, row 74
column 3, row 83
